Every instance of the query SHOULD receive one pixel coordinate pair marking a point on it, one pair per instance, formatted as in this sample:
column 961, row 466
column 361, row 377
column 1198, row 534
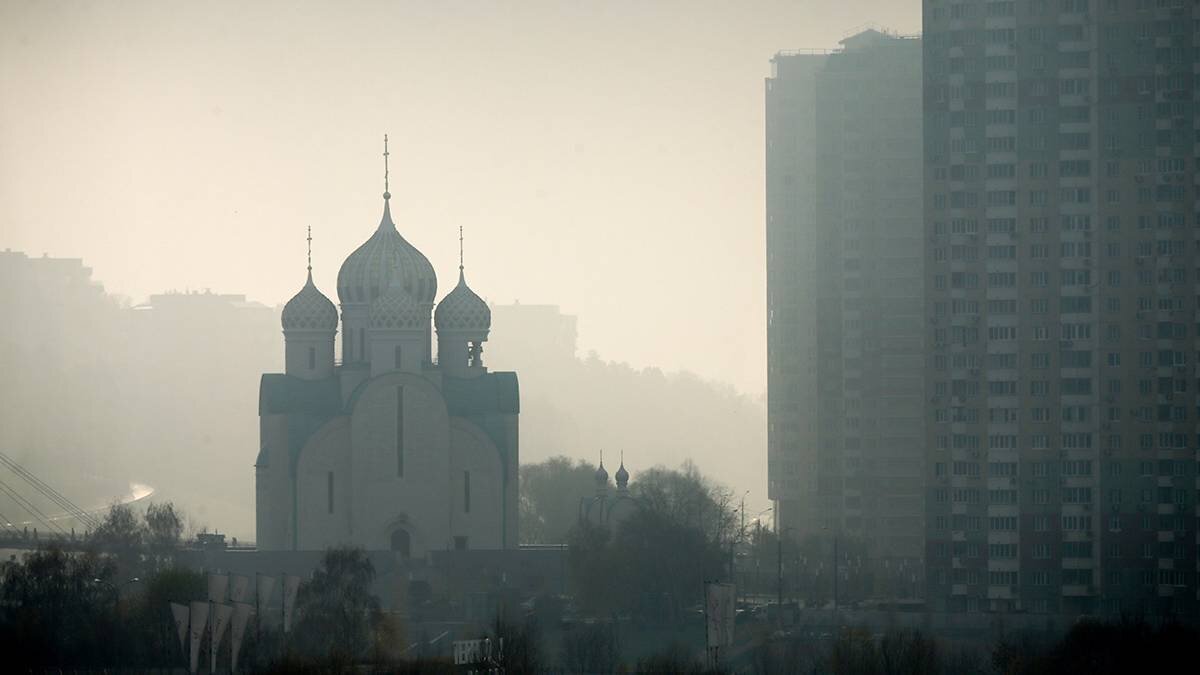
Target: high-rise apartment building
column 1062, row 289
column 844, row 295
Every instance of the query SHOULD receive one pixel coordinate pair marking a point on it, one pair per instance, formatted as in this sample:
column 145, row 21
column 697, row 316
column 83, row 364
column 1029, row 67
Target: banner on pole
column 720, row 611
column 180, row 613
column 291, row 586
column 220, row 620
column 241, row 616
column 239, row 588
column 217, row 583
column 198, row 619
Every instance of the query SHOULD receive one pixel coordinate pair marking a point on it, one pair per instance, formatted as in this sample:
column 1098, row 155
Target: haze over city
column 604, row 157
column 600, row 337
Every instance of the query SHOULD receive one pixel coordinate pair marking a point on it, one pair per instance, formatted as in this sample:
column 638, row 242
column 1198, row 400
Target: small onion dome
column 396, row 310
column 386, row 256
column 309, row 310
column 601, row 475
column 622, row 476
column 462, row 310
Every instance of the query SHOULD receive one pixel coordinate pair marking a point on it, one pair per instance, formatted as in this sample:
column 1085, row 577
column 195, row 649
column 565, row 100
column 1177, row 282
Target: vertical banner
column 198, row 616
column 291, row 585
column 241, row 616
column 220, row 621
column 217, row 583
column 180, row 614
column 263, row 588
column 719, row 614
column 239, row 587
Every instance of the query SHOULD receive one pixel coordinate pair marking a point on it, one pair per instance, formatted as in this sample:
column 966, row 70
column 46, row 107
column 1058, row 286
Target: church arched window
column 312, row 358
column 397, row 358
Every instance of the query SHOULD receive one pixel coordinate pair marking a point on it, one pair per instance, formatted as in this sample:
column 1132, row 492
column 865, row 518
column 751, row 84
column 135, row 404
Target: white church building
column 388, row 449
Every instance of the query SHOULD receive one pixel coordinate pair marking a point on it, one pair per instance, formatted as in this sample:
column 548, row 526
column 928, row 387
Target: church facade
column 388, row 448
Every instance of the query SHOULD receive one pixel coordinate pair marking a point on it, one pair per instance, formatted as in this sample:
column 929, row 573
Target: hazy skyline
column 604, row 157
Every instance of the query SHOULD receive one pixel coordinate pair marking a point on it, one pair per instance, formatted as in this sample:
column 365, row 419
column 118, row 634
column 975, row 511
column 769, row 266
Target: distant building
column 1061, row 244
column 44, row 297
column 844, row 294
column 387, row 449
column 608, row 508
column 534, row 334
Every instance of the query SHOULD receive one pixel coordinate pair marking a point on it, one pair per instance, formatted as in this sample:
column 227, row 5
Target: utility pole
column 741, row 538
column 779, row 572
column 835, row 572
column 779, row 569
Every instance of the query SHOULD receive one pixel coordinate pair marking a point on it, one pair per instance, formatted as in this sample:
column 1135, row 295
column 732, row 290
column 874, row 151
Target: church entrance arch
column 401, row 542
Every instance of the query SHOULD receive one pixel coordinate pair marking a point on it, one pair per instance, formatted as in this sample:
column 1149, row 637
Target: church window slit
column 399, row 428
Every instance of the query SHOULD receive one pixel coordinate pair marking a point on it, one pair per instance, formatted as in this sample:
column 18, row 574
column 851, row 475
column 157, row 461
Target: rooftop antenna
column 386, row 193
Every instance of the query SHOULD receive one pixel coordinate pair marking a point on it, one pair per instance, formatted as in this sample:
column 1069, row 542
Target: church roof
column 463, row 311
column 309, row 310
column 280, row 394
column 490, row 393
column 386, row 256
column 396, row 309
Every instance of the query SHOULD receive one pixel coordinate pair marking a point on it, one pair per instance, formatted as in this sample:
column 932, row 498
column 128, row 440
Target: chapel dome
column 463, row 310
column 396, row 309
column 622, row 476
column 309, row 310
column 371, row 268
column 601, row 475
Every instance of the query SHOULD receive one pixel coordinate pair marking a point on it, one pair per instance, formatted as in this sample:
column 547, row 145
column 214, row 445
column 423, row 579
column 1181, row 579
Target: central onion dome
column 382, row 259
column 396, row 309
column 601, row 475
column 462, row 310
column 309, row 310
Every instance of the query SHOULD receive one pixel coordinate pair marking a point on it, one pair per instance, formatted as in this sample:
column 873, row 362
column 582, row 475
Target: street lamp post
column 116, row 591
column 779, row 570
column 741, row 540
column 835, row 567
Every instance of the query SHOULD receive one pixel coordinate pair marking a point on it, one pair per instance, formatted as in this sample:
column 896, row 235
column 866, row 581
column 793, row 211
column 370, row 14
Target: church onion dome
column 601, row 475
column 463, row 311
column 397, row 310
column 309, row 310
column 386, row 256
column 622, row 476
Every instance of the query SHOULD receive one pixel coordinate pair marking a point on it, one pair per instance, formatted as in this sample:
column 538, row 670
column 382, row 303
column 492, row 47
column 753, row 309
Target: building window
column 400, row 431
column 362, row 344
column 329, row 486
column 460, row 543
column 396, row 358
column 312, row 358
column 466, row 492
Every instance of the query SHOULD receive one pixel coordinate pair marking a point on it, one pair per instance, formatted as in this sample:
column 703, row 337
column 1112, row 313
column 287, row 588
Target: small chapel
column 394, row 446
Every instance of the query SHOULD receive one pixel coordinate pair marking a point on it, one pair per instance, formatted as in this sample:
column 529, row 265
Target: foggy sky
column 603, row 156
